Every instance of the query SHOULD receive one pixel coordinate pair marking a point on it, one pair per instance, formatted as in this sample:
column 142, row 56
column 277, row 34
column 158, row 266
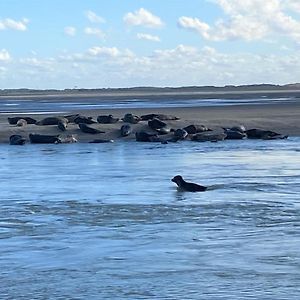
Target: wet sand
column 282, row 118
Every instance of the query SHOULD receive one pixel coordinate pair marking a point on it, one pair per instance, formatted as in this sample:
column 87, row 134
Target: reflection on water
column 104, row 221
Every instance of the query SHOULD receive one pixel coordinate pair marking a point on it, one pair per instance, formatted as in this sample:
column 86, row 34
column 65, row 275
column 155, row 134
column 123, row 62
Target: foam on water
column 104, row 221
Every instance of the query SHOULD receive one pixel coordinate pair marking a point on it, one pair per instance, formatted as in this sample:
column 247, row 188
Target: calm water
column 88, row 221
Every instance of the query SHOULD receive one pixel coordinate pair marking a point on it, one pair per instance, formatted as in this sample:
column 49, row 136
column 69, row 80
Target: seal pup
column 107, row 119
column 188, row 186
column 16, row 139
column 21, row 123
column 125, row 130
column 36, row 138
column 14, row 120
column 86, row 129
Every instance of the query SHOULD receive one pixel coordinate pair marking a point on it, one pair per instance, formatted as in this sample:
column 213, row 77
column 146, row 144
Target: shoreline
column 281, row 118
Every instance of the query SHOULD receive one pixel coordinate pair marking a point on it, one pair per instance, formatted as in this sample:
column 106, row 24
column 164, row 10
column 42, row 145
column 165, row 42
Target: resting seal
column 107, row 119
column 130, row 118
column 86, row 129
column 158, row 116
column 52, row 121
column 264, row 134
column 14, row 120
column 84, row 120
column 100, row 141
column 192, row 129
column 16, row 140
column 143, row 136
column 21, row 123
column 125, row 130
column 44, row 139
column 188, row 186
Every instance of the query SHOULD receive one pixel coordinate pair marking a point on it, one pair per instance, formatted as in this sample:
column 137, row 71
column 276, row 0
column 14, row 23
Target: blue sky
column 123, row 43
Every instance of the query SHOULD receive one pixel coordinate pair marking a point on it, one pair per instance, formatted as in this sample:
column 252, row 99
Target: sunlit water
column 104, row 221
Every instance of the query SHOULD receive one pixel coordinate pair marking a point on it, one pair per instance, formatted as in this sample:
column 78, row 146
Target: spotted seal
column 188, row 186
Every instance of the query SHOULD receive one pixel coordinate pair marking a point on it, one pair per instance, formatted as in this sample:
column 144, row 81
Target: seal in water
column 16, row 139
column 100, row 141
column 44, row 139
column 51, row 121
column 107, row 119
column 14, row 120
column 21, row 123
column 125, row 130
column 86, row 129
column 130, row 118
column 188, row 186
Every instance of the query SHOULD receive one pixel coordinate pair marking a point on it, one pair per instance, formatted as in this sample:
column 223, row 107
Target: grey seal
column 21, row 123
column 188, row 186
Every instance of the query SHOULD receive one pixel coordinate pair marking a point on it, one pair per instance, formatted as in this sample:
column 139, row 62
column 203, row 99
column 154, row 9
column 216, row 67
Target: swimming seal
column 188, row 186
column 107, row 119
column 86, row 129
column 16, row 139
column 44, row 139
column 14, row 120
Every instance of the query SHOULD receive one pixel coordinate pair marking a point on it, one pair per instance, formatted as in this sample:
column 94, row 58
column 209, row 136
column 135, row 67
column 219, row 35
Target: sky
column 46, row 44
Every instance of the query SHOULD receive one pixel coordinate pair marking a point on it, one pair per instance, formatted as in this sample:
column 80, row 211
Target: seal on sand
column 21, row 123
column 192, row 129
column 143, row 136
column 264, row 134
column 84, row 120
column 188, row 186
column 107, row 119
column 130, row 118
column 100, row 141
column 52, row 121
column 16, row 139
column 158, row 116
column 125, row 130
column 86, row 129
column 44, row 139
column 14, row 120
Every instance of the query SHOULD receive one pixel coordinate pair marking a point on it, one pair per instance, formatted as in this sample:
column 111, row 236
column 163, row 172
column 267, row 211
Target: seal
column 192, row 129
column 264, row 134
column 130, row 118
column 44, row 139
column 14, row 120
column 159, row 116
column 125, row 130
column 107, row 119
column 188, row 186
column 156, row 124
column 62, row 125
column 51, row 121
column 143, row 136
column 21, row 123
column 17, row 139
column 69, row 139
column 86, row 129
column 208, row 137
column 232, row 134
column 100, row 141
column 84, row 120
column 180, row 134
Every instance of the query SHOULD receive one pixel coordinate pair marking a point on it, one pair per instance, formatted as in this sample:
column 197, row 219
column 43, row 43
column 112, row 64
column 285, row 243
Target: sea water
column 104, row 221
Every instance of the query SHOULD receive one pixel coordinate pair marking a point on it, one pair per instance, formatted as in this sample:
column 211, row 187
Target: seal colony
column 158, row 128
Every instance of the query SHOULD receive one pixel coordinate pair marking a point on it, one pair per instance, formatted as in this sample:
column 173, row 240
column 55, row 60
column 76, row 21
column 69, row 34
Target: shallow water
column 104, row 221
column 38, row 106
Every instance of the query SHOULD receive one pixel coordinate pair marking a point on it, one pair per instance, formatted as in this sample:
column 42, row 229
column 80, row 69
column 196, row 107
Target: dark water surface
column 88, row 221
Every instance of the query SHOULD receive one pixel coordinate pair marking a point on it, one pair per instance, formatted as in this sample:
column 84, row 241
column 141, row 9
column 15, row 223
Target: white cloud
column 148, row 37
column 8, row 23
column 142, row 17
column 94, row 31
column 70, row 31
column 93, row 17
column 104, row 51
column 4, row 55
column 248, row 20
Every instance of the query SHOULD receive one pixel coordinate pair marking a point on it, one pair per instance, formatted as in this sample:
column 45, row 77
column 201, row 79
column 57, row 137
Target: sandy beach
column 282, row 118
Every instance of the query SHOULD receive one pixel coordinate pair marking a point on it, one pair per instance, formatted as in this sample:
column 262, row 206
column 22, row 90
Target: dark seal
column 51, row 121
column 14, row 120
column 188, row 186
column 125, row 130
column 87, row 129
column 44, row 139
column 107, row 119
column 130, row 118
column 17, row 139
